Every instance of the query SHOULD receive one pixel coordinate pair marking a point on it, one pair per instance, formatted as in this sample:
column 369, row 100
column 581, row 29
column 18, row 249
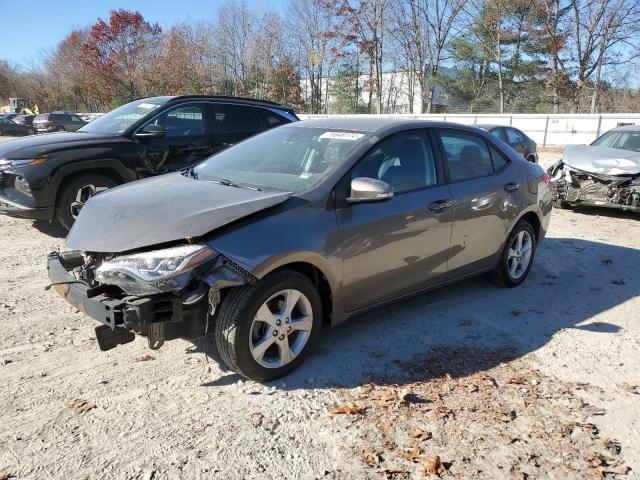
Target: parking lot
column 540, row 381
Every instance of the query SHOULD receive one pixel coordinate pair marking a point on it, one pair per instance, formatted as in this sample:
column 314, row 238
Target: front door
column 400, row 245
column 487, row 195
column 187, row 139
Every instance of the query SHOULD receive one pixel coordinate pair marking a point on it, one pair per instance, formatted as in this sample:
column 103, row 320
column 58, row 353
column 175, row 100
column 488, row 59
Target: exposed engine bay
column 572, row 187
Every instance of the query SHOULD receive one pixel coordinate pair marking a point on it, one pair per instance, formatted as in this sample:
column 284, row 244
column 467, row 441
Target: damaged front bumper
column 158, row 317
column 575, row 187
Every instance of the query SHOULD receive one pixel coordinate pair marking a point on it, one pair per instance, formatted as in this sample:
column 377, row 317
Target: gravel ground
column 540, row 381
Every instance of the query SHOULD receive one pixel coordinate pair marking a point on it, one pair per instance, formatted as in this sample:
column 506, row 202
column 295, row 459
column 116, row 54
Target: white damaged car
column 603, row 174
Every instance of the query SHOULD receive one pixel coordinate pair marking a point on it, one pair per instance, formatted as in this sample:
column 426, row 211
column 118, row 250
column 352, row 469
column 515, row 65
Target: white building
column 399, row 89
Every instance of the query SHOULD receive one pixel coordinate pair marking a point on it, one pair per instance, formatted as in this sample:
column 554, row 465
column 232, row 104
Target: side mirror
column 151, row 131
column 364, row 189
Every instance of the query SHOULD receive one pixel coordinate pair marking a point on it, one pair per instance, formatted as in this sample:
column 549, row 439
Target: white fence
column 545, row 130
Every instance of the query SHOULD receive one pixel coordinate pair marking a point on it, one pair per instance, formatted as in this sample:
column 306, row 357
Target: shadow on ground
column 53, row 229
column 571, row 282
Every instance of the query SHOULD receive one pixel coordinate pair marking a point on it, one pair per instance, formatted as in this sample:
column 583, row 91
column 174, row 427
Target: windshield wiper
column 190, row 172
column 228, row 183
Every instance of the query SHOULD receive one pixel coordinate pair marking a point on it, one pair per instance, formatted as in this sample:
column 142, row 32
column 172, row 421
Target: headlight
column 22, row 186
column 156, row 271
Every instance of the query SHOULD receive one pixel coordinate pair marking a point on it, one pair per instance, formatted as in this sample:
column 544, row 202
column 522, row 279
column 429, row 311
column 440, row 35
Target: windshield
column 287, row 158
column 624, row 140
column 118, row 120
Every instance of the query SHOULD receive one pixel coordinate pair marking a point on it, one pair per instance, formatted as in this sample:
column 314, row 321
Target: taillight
column 546, row 178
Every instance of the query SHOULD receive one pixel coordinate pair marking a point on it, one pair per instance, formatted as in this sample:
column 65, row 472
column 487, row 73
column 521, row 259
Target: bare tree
column 311, row 28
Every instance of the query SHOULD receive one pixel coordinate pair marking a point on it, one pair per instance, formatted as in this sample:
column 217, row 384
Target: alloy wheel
column 520, row 254
column 82, row 195
column 281, row 328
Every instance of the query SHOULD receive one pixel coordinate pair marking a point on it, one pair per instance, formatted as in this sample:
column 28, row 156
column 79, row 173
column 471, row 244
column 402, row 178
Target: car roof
column 627, row 128
column 371, row 124
column 488, row 126
column 243, row 100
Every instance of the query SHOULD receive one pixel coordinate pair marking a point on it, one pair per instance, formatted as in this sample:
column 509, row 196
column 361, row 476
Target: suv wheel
column 264, row 331
column 75, row 193
column 517, row 257
column 59, row 129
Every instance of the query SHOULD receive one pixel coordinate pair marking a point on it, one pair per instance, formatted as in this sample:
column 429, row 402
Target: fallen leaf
column 442, row 412
column 80, row 406
column 630, row 388
column 420, row 434
column 433, row 466
column 412, row 455
column 256, row 419
column 145, row 358
column 606, row 261
column 517, row 380
column 349, row 409
column 392, row 397
column 619, row 281
column 393, row 474
column 515, row 313
column 370, row 457
column 387, row 427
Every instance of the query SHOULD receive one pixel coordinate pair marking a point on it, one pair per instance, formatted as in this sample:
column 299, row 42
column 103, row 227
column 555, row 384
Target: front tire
column 265, row 330
column 517, row 257
column 75, row 193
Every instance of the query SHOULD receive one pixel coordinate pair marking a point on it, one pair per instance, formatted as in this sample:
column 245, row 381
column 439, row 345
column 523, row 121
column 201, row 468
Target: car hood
column 608, row 161
column 38, row 145
column 162, row 209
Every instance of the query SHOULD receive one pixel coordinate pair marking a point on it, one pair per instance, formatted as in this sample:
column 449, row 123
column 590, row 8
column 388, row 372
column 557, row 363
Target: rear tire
column 512, row 270
column 240, row 331
column 75, row 193
column 59, row 129
column 31, row 131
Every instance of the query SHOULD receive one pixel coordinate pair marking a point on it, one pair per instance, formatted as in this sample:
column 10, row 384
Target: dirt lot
column 535, row 382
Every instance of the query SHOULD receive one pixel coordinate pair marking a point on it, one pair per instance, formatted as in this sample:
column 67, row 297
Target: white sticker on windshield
column 342, row 135
column 147, row 105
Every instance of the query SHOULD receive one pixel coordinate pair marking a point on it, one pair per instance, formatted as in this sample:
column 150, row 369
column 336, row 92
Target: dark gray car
column 58, row 122
column 312, row 222
column 515, row 138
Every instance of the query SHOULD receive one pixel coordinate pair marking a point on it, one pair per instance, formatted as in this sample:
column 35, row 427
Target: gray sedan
column 305, row 224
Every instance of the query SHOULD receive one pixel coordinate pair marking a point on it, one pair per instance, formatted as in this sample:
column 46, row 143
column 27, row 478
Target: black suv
column 51, row 176
column 58, row 122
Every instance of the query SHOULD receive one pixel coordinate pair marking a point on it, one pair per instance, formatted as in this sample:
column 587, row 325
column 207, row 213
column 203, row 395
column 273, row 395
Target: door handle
column 511, row 187
column 197, row 149
column 440, row 205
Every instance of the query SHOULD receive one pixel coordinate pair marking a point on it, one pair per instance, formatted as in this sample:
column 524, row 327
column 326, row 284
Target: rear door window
column 499, row 132
column 270, row 119
column 467, row 155
column 235, row 119
column 514, row 136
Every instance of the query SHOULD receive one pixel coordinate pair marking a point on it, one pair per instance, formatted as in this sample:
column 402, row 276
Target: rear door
column 400, row 245
column 187, row 138
column 487, row 195
column 232, row 124
column 516, row 139
column 75, row 122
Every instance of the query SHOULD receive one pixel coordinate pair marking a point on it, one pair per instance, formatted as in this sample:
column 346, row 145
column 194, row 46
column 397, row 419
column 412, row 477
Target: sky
column 30, row 27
